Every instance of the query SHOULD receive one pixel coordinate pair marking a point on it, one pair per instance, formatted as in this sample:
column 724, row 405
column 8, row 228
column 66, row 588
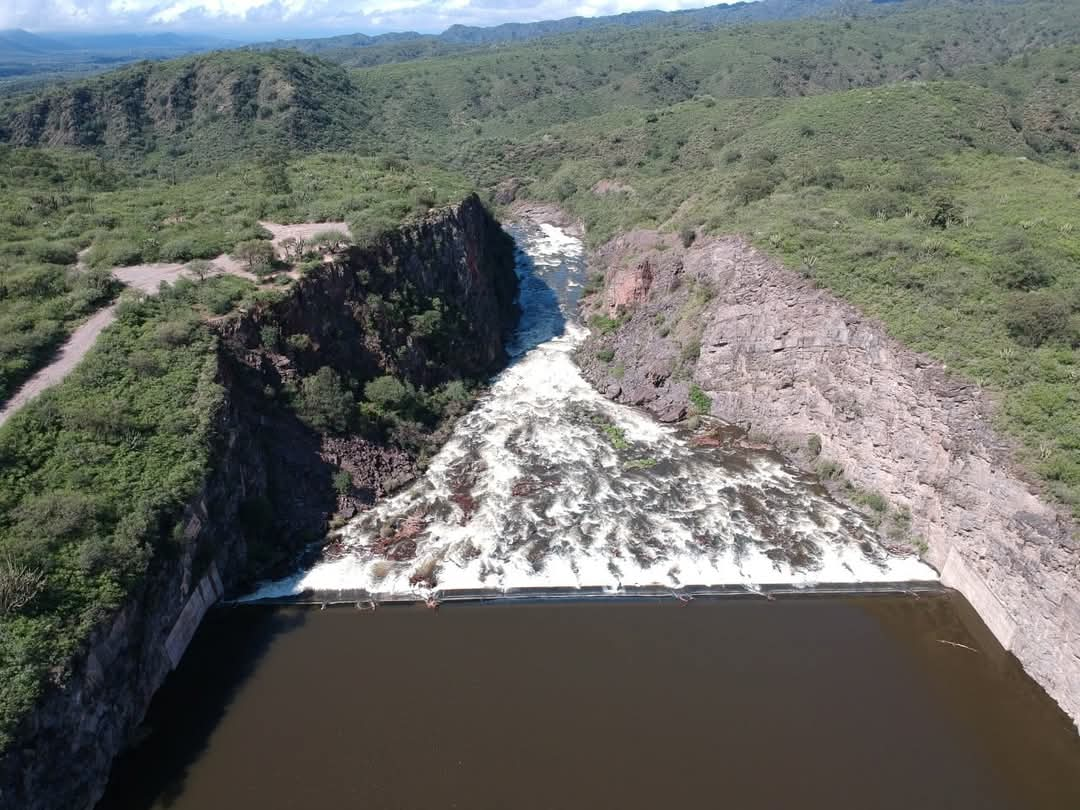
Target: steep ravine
column 720, row 327
column 271, row 488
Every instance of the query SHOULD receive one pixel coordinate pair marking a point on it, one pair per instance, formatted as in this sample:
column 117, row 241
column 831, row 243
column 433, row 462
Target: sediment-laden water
column 812, row 702
column 547, row 484
column 803, row 702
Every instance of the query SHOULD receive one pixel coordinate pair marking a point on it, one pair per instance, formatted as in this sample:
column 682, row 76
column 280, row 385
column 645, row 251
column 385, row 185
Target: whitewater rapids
column 547, row 484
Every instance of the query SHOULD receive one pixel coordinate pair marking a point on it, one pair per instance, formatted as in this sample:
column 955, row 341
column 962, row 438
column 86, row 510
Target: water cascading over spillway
column 547, row 484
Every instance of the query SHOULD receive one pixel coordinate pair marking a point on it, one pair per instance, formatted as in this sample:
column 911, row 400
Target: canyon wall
column 786, row 360
column 270, row 490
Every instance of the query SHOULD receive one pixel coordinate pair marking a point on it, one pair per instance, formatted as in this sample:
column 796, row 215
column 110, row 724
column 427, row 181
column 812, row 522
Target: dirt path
column 147, row 278
column 72, row 352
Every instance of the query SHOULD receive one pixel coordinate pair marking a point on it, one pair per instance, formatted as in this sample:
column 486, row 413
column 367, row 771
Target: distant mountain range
column 28, row 59
column 15, row 43
column 458, row 36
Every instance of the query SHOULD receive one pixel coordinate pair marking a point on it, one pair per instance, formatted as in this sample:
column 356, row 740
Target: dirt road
column 148, row 279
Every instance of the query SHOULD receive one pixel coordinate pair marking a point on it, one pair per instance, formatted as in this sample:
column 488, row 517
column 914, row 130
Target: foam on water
column 548, row 484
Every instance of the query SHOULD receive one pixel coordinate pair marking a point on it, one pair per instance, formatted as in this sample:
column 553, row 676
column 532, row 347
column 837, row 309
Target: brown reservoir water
column 805, row 702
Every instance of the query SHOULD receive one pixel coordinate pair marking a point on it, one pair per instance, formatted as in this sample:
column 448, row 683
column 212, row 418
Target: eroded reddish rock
column 628, row 287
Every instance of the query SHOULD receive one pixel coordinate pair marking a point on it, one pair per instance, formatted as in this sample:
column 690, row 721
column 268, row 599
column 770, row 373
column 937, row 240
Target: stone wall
column 783, row 358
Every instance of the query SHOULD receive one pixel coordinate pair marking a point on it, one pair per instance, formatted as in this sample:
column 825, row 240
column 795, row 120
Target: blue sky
column 261, row 18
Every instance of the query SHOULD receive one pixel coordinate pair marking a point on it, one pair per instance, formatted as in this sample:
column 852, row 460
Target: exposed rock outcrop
column 779, row 356
column 271, row 490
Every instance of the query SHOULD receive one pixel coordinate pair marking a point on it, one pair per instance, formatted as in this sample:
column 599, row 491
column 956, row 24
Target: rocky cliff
column 271, row 488
column 721, row 328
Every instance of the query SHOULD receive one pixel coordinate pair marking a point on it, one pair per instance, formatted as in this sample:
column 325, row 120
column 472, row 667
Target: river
column 546, row 484
column 621, row 699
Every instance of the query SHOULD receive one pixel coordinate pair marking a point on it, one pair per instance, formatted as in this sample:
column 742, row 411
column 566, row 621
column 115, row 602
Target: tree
column 387, row 393
column 331, row 240
column 256, row 253
column 753, row 186
column 293, row 248
column 325, row 402
column 19, row 583
column 275, row 178
column 1038, row 317
column 202, row 269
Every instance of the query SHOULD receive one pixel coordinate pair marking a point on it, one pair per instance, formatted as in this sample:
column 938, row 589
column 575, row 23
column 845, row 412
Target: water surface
column 547, row 484
column 807, row 702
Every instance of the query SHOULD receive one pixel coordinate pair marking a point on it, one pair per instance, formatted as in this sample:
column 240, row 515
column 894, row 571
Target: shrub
column 299, row 342
column 331, row 240
column 605, row 355
column 343, row 482
column 175, row 332
column 1038, row 317
column 687, row 235
column 255, row 253
column 753, row 186
column 429, row 322
column 874, row 501
column 177, row 250
column 50, row 252
column 829, row 470
column 122, row 254
column 1020, row 269
column 881, row 204
column 699, row 400
column 324, row 403
column 827, row 175
column 943, row 210
column 604, row 324
column 565, row 188
column 270, row 336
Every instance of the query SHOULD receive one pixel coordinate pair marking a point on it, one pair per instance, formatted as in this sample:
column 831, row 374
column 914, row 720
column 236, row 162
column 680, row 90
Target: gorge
column 916, row 675
column 269, row 487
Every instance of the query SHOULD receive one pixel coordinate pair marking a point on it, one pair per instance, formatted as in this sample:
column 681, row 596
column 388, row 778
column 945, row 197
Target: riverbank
column 714, row 327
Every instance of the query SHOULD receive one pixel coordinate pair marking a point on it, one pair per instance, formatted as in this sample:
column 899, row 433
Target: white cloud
column 294, row 17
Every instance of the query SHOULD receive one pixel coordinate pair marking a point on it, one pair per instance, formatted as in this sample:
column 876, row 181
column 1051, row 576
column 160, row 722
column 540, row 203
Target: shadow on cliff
column 191, row 704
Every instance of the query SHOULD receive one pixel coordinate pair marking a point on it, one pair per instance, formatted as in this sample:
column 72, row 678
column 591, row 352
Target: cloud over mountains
column 293, row 17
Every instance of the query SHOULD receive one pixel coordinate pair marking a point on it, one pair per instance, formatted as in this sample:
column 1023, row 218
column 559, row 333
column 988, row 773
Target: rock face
column 783, row 358
column 270, row 490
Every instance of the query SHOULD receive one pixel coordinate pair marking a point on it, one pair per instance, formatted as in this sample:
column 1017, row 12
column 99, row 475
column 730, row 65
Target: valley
column 761, row 301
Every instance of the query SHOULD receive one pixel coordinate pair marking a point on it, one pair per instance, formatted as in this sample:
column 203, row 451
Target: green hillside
column 921, row 162
column 196, row 112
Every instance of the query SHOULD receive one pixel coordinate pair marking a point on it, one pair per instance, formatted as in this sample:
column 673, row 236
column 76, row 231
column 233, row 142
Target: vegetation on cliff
column 93, row 475
column 58, row 202
column 920, row 161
